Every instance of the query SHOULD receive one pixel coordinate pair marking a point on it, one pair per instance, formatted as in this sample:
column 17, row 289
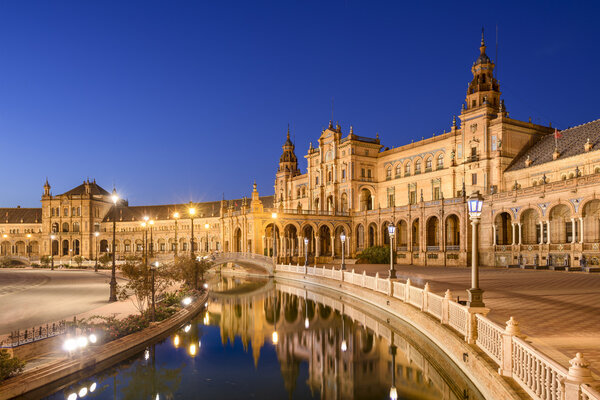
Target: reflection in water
column 258, row 339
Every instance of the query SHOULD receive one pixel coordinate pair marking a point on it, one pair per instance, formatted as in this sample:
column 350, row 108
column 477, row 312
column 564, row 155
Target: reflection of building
column 363, row 371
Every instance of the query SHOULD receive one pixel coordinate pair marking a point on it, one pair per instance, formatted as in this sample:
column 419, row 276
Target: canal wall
column 473, row 342
column 94, row 359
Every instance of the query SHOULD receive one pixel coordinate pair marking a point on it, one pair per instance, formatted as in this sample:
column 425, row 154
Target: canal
column 260, row 339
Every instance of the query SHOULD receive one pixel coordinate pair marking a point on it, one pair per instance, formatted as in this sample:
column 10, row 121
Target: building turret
column 288, row 162
column 46, row 188
column 484, row 89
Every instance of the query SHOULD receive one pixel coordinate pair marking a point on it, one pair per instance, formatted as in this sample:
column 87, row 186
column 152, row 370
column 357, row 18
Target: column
column 520, row 234
column 573, row 231
column 541, row 238
column 548, row 225
column 317, row 246
column 581, row 230
column 495, row 234
column 332, row 246
column 514, row 236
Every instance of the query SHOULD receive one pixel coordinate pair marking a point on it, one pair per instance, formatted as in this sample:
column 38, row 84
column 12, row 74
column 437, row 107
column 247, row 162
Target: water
column 228, row 351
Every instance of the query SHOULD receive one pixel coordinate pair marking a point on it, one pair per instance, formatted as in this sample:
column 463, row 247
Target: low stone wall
column 101, row 357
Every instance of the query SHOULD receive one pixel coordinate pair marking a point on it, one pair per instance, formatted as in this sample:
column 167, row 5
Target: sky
column 190, row 100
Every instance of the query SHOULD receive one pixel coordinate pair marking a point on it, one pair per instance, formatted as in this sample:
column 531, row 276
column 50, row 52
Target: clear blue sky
column 175, row 101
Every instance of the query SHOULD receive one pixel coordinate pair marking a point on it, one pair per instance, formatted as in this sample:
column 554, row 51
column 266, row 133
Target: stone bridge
column 249, row 260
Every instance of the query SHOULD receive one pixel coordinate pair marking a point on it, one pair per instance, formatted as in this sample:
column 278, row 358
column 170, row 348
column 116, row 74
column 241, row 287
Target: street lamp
column 96, row 234
column 392, row 232
column 206, row 226
column 145, row 243
column 475, row 204
column 176, row 216
column 192, row 212
column 343, row 239
column 151, row 239
column 113, row 277
column 305, row 254
column 52, row 237
column 274, row 216
column 28, row 245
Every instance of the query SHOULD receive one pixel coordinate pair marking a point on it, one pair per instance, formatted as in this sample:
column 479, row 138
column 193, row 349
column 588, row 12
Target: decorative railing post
column 471, row 336
column 579, row 373
column 376, row 281
column 506, row 360
column 391, row 287
column 364, row 278
column 407, row 291
column 425, row 302
column 446, row 307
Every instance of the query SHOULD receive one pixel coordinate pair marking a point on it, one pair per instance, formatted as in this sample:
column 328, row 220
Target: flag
column 557, row 134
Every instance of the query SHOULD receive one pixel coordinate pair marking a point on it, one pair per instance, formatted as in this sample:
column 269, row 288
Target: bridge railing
column 242, row 255
column 24, row 336
column 541, row 377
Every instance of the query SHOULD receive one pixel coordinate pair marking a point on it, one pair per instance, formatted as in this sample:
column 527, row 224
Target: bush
column 45, row 261
column 9, row 366
column 374, row 255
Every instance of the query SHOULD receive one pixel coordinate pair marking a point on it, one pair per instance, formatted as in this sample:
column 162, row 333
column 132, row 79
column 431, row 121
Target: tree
column 139, row 285
column 188, row 270
column 9, row 366
column 45, row 261
column 78, row 260
column 374, row 255
column 105, row 259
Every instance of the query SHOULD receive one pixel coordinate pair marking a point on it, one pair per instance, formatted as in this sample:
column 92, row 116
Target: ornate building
column 540, row 207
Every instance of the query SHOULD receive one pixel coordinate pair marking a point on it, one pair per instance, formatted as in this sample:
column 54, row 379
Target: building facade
column 540, row 199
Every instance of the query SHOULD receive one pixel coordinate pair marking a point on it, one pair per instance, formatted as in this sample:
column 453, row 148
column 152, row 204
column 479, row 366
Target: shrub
column 9, row 366
column 78, row 260
column 374, row 255
column 45, row 261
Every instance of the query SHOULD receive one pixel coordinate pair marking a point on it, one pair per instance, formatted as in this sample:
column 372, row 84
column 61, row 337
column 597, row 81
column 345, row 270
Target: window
column 317, row 180
column 473, row 179
column 412, row 197
column 459, row 151
column 474, row 103
column 388, row 173
column 66, row 213
column 362, row 172
column 436, row 193
column 428, row 164
column 53, row 212
column 407, row 170
column 418, row 167
column 75, row 226
column 473, row 152
column 494, row 143
column 298, row 193
column 343, row 174
column 65, row 227
column 398, row 171
column 440, row 161
column 391, row 197
column 330, row 176
column 368, row 173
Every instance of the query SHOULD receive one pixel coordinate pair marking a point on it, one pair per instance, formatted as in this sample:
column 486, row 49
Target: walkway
column 558, row 311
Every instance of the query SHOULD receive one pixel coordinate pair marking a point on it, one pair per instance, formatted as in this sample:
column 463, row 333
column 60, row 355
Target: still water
column 258, row 339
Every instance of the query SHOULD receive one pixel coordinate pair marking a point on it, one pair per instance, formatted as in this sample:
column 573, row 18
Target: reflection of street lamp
column 113, row 278
column 305, row 254
column 392, row 232
column 475, row 203
column 275, row 334
column 176, row 216
column 306, row 323
column 343, row 239
column 96, row 234
column 344, row 345
column 153, row 271
column 52, row 237
column 393, row 391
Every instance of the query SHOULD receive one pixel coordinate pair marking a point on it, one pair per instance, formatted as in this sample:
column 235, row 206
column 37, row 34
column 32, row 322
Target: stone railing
column 21, row 337
column 541, row 377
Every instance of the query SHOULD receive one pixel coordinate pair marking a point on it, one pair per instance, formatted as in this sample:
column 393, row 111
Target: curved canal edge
column 100, row 357
column 483, row 375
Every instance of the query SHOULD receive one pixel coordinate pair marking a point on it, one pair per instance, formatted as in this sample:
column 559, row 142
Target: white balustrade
column 434, row 305
column 383, row 285
column 458, row 316
column 489, row 338
column 399, row 290
column 415, row 296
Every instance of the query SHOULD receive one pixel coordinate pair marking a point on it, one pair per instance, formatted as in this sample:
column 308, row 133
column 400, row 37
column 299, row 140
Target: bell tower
column 484, row 90
column 288, row 162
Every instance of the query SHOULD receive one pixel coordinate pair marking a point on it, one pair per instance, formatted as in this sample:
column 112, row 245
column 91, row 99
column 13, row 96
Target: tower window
column 474, row 103
column 473, row 179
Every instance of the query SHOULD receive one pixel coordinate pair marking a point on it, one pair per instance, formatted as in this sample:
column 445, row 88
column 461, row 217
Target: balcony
column 472, row 158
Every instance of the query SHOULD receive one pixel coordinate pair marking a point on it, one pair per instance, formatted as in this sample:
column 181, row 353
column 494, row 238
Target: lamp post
column 52, row 237
column 151, row 239
column 343, row 239
column 113, row 277
column 475, row 204
column 305, row 254
column 392, row 233
column 192, row 212
column 145, row 244
column 96, row 234
column 274, row 216
column 176, row 216
column 206, row 226
column 28, row 246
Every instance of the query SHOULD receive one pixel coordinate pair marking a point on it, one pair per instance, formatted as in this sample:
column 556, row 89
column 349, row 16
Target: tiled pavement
column 558, row 311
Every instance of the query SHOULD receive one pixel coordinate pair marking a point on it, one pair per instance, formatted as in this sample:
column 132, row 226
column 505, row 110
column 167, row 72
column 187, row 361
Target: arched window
column 75, row 226
column 440, row 161
column 298, row 193
column 388, row 173
column 65, row 227
column 398, row 171
column 407, row 169
column 418, row 167
column 330, row 176
column 428, row 164
column 55, row 227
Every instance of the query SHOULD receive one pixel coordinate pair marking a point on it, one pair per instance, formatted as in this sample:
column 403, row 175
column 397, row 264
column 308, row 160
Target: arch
column 530, row 231
column 452, row 228
column 360, row 236
column 385, row 234
column 20, row 248
column 402, row 235
column 75, row 226
column 388, row 172
column 337, row 247
column 308, row 232
column 325, row 240
column 290, row 238
column 344, row 202
column 415, row 234
column 418, row 166
column 65, row 227
column 372, row 235
column 5, row 248
column 429, row 163
column 407, row 168
column 503, row 223
column 237, row 240
column 76, row 248
column 55, row 247
column 398, row 170
column 54, row 227
column 316, row 204
column 433, row 233
column 591, row 221
column 440, row 161
column 366, row 199
column 269, row 239
column 104, row 246
column 65, row 247
column 330, row 203
column 561, row 227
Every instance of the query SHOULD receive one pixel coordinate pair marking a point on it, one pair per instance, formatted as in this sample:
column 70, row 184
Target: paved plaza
column 558, row 311
column 32, row 297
